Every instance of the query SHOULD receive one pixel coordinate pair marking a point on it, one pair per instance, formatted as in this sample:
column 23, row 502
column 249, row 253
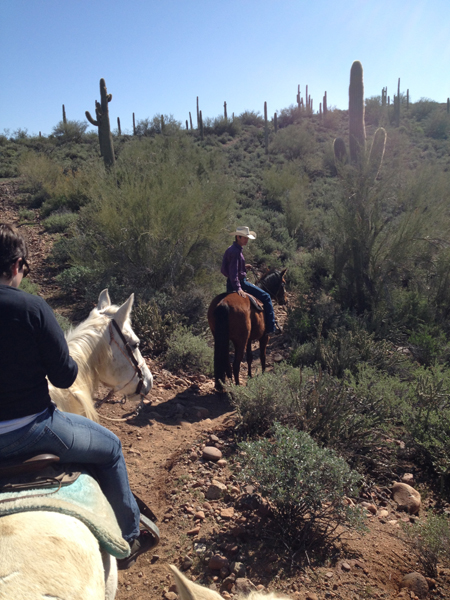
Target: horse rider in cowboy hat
column 235, row 270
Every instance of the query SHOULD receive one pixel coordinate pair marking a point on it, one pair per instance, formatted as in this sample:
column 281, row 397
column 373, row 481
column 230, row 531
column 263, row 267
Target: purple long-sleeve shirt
column 233, row 265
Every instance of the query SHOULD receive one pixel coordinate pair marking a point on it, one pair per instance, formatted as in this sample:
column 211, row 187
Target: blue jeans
column 76, row 439
column 264, row 297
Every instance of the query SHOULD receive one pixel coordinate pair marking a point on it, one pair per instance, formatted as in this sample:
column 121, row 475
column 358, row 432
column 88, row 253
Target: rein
column 129, row 356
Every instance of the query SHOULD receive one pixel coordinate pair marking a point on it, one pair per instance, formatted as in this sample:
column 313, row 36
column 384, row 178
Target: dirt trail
column 163, row 448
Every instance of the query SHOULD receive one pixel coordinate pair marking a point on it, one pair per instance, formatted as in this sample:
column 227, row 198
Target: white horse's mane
column 89, row 347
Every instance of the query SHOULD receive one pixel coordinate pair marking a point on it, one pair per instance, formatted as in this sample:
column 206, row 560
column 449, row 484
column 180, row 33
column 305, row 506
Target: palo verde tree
column 104, row 128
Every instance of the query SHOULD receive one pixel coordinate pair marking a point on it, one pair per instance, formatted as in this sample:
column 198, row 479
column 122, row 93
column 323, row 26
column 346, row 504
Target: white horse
column 187, row 590
column 48, row 555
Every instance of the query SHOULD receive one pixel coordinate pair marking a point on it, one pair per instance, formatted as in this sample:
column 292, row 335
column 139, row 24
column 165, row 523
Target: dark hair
column 12, row 247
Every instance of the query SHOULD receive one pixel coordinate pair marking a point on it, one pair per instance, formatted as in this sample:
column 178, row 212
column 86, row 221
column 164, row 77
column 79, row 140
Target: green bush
column 294, row 141
column 305, row 485
column 428, row 344
column 437, row 125
column 251, row 117
column 427, row 418
column 59, row 222
column 429, row 539
column 71, row 131
column 160, row 123
column 188, row 352
column 157, row 222
column 153, row 329
column 342, row 414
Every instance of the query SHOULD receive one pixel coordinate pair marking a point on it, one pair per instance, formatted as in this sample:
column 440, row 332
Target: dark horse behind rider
column 241, row 320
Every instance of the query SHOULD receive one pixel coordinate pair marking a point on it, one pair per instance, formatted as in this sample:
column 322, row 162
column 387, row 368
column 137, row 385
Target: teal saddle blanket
column 82, row 499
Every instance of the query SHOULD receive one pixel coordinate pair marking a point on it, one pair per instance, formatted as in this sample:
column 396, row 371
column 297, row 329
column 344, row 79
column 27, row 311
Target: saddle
column 72, row 490
column 35, row 472
column 257, row 304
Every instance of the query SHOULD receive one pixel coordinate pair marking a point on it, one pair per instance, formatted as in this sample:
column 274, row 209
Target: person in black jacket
column 32, row 348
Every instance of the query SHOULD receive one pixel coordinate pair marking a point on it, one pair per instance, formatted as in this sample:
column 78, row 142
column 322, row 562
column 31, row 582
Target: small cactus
column 64, row 115
column 118, row 126
column 102, row 122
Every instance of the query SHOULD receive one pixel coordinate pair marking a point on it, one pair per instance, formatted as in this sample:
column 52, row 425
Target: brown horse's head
column 274, row 283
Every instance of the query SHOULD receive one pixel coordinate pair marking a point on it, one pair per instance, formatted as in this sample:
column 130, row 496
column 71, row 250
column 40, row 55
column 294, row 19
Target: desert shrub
column 220, row 126
column 437, row 125
column 152, row 327
column 71, row 131
column 429, row 540
column 422, row 108
column 373, row 110
column 337, row 413
column 289, row 116
column 251, row 117
column 345, row 345
column 26, row 214
column 286, row 190
column 27, row 285
column 157, row 221
column 305, row 485
column 378, row 245
column 294, row 141
column 428, row 344
column 77, row 278
column 63, row 322
column 160, row 123
column 52, row 186
column 59, row 222
column 427, row 418
column 188, row 352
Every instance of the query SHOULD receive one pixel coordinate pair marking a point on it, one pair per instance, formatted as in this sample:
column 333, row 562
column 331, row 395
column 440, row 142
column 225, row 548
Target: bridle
column 129, row 356
column 264, row 286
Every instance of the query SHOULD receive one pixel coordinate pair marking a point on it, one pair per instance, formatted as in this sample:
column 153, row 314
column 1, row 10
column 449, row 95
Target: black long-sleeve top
column 32, row 347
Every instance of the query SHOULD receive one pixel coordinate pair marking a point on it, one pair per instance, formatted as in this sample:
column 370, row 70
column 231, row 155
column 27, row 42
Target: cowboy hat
column 244, row 232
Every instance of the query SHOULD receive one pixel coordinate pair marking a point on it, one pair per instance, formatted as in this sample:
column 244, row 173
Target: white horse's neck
column 89, row 347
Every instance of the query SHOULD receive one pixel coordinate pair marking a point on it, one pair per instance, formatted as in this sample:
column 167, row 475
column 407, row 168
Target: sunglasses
column 24, row 266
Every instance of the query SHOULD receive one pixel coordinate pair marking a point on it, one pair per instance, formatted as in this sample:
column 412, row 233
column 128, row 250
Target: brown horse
column 232, row 317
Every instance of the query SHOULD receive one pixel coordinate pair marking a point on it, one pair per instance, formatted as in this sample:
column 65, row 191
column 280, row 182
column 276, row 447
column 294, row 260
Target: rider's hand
column 242, row 293
column 249, row 267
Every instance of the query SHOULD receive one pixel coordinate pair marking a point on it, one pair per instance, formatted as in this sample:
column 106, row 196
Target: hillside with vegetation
column 365, row 237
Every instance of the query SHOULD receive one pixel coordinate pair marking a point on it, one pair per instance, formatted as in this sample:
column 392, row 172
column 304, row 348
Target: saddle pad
column 83, row 500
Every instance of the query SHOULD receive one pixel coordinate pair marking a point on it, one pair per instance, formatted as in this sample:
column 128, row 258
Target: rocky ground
column 218, row 532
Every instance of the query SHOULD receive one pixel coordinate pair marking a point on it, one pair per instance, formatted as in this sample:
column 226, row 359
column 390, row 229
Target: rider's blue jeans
column 264, row 297
column 76, row 439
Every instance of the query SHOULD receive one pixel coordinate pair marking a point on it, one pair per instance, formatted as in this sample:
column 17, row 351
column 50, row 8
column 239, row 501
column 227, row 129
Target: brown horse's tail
column 221, row 343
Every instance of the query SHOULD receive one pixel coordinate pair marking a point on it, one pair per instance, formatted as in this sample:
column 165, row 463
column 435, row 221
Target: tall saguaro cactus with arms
column 358, row 226
column 104, row 128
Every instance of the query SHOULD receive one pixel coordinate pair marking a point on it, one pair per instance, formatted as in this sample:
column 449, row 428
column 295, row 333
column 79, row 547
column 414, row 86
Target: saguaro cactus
column 102, row 122
column 266, row 130
column 357, row 130
column 64, row 115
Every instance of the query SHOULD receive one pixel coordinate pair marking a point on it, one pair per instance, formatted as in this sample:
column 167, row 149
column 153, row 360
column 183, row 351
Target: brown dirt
column 163, row 446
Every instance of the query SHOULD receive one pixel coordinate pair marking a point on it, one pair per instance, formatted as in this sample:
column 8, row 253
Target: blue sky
column 157, row 56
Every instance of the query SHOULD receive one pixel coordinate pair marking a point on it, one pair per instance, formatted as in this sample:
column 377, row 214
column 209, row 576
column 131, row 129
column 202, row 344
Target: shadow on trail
column 184, row 407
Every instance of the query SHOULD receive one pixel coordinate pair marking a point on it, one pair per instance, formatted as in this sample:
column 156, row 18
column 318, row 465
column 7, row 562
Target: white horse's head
column 127, row 372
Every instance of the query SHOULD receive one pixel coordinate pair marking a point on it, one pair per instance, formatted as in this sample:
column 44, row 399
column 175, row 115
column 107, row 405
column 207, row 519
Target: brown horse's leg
column 238, row 356
column 249, row 358
column 262, row 350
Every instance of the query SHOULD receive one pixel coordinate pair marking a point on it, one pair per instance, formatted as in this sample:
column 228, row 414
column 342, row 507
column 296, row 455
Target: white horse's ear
column 187, row 590
column 123, row 313
column 103, row 300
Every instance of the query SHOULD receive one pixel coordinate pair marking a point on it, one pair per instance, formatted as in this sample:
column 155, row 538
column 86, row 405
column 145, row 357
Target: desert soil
column 163, row 449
